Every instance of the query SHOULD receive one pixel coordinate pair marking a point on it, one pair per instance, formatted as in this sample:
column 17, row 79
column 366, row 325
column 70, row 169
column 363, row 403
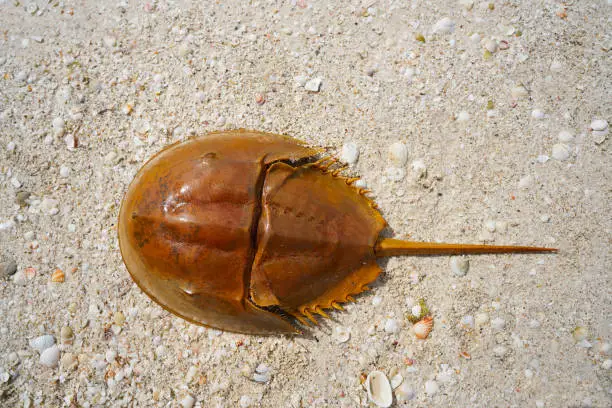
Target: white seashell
column 410, row 302
column 398, row 152
column 416, row 311
column 391, row 326
column 459, row 265
column 349, row 153
column 422, row 328
column 379, row 390
column 405, row 393
column 482, row 318
column 466, row 4
column 395, row 173
column 396, row 381
column 262, row 374
column 246, row 401
column 561, row 151
column 607, row 364
column 42, row 343
column 599, row 125
column 467, row 322
column 187, row 401
column 498, row 323
column 341, row 334
column 360, row 183
column 50, row 356
column 500, row 351
column 444, row 26
column 376, row 300
column 431, row 387
column 463, row 116
column 538, row 114
column 565, row 136
column 519, row 91
column 314, row 85
column 419, row 168
column 491, row 45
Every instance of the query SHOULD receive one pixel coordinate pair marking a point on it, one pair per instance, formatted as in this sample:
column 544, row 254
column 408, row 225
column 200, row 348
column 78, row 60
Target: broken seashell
column 341, row 334
column 379, row 389
column 405, row 393
column 58, row 276
column 422, row 328
column 396, row 381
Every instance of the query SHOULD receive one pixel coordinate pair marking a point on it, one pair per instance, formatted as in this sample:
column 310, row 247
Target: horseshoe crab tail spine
column 395, row 247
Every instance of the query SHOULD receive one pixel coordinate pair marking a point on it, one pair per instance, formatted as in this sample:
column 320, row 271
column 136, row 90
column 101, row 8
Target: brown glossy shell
column 235, row 230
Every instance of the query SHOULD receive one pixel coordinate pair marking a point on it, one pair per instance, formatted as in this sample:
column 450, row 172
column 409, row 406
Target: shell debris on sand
column 379, row 389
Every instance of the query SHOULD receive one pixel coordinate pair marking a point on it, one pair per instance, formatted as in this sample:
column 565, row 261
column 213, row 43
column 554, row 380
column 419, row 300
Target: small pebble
column 444, row 26
column 528, row 373
column 10, row 146
column 545, row 218
column 398, row 152
column 8, row 268
column 15, row 182
column 607, row 364
column 50, row 357
column 561, row 151
column 498, row 323
column 314, row 85
column 431, row 388
column 459, row 265
column 349, row 153
column 260, row 99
